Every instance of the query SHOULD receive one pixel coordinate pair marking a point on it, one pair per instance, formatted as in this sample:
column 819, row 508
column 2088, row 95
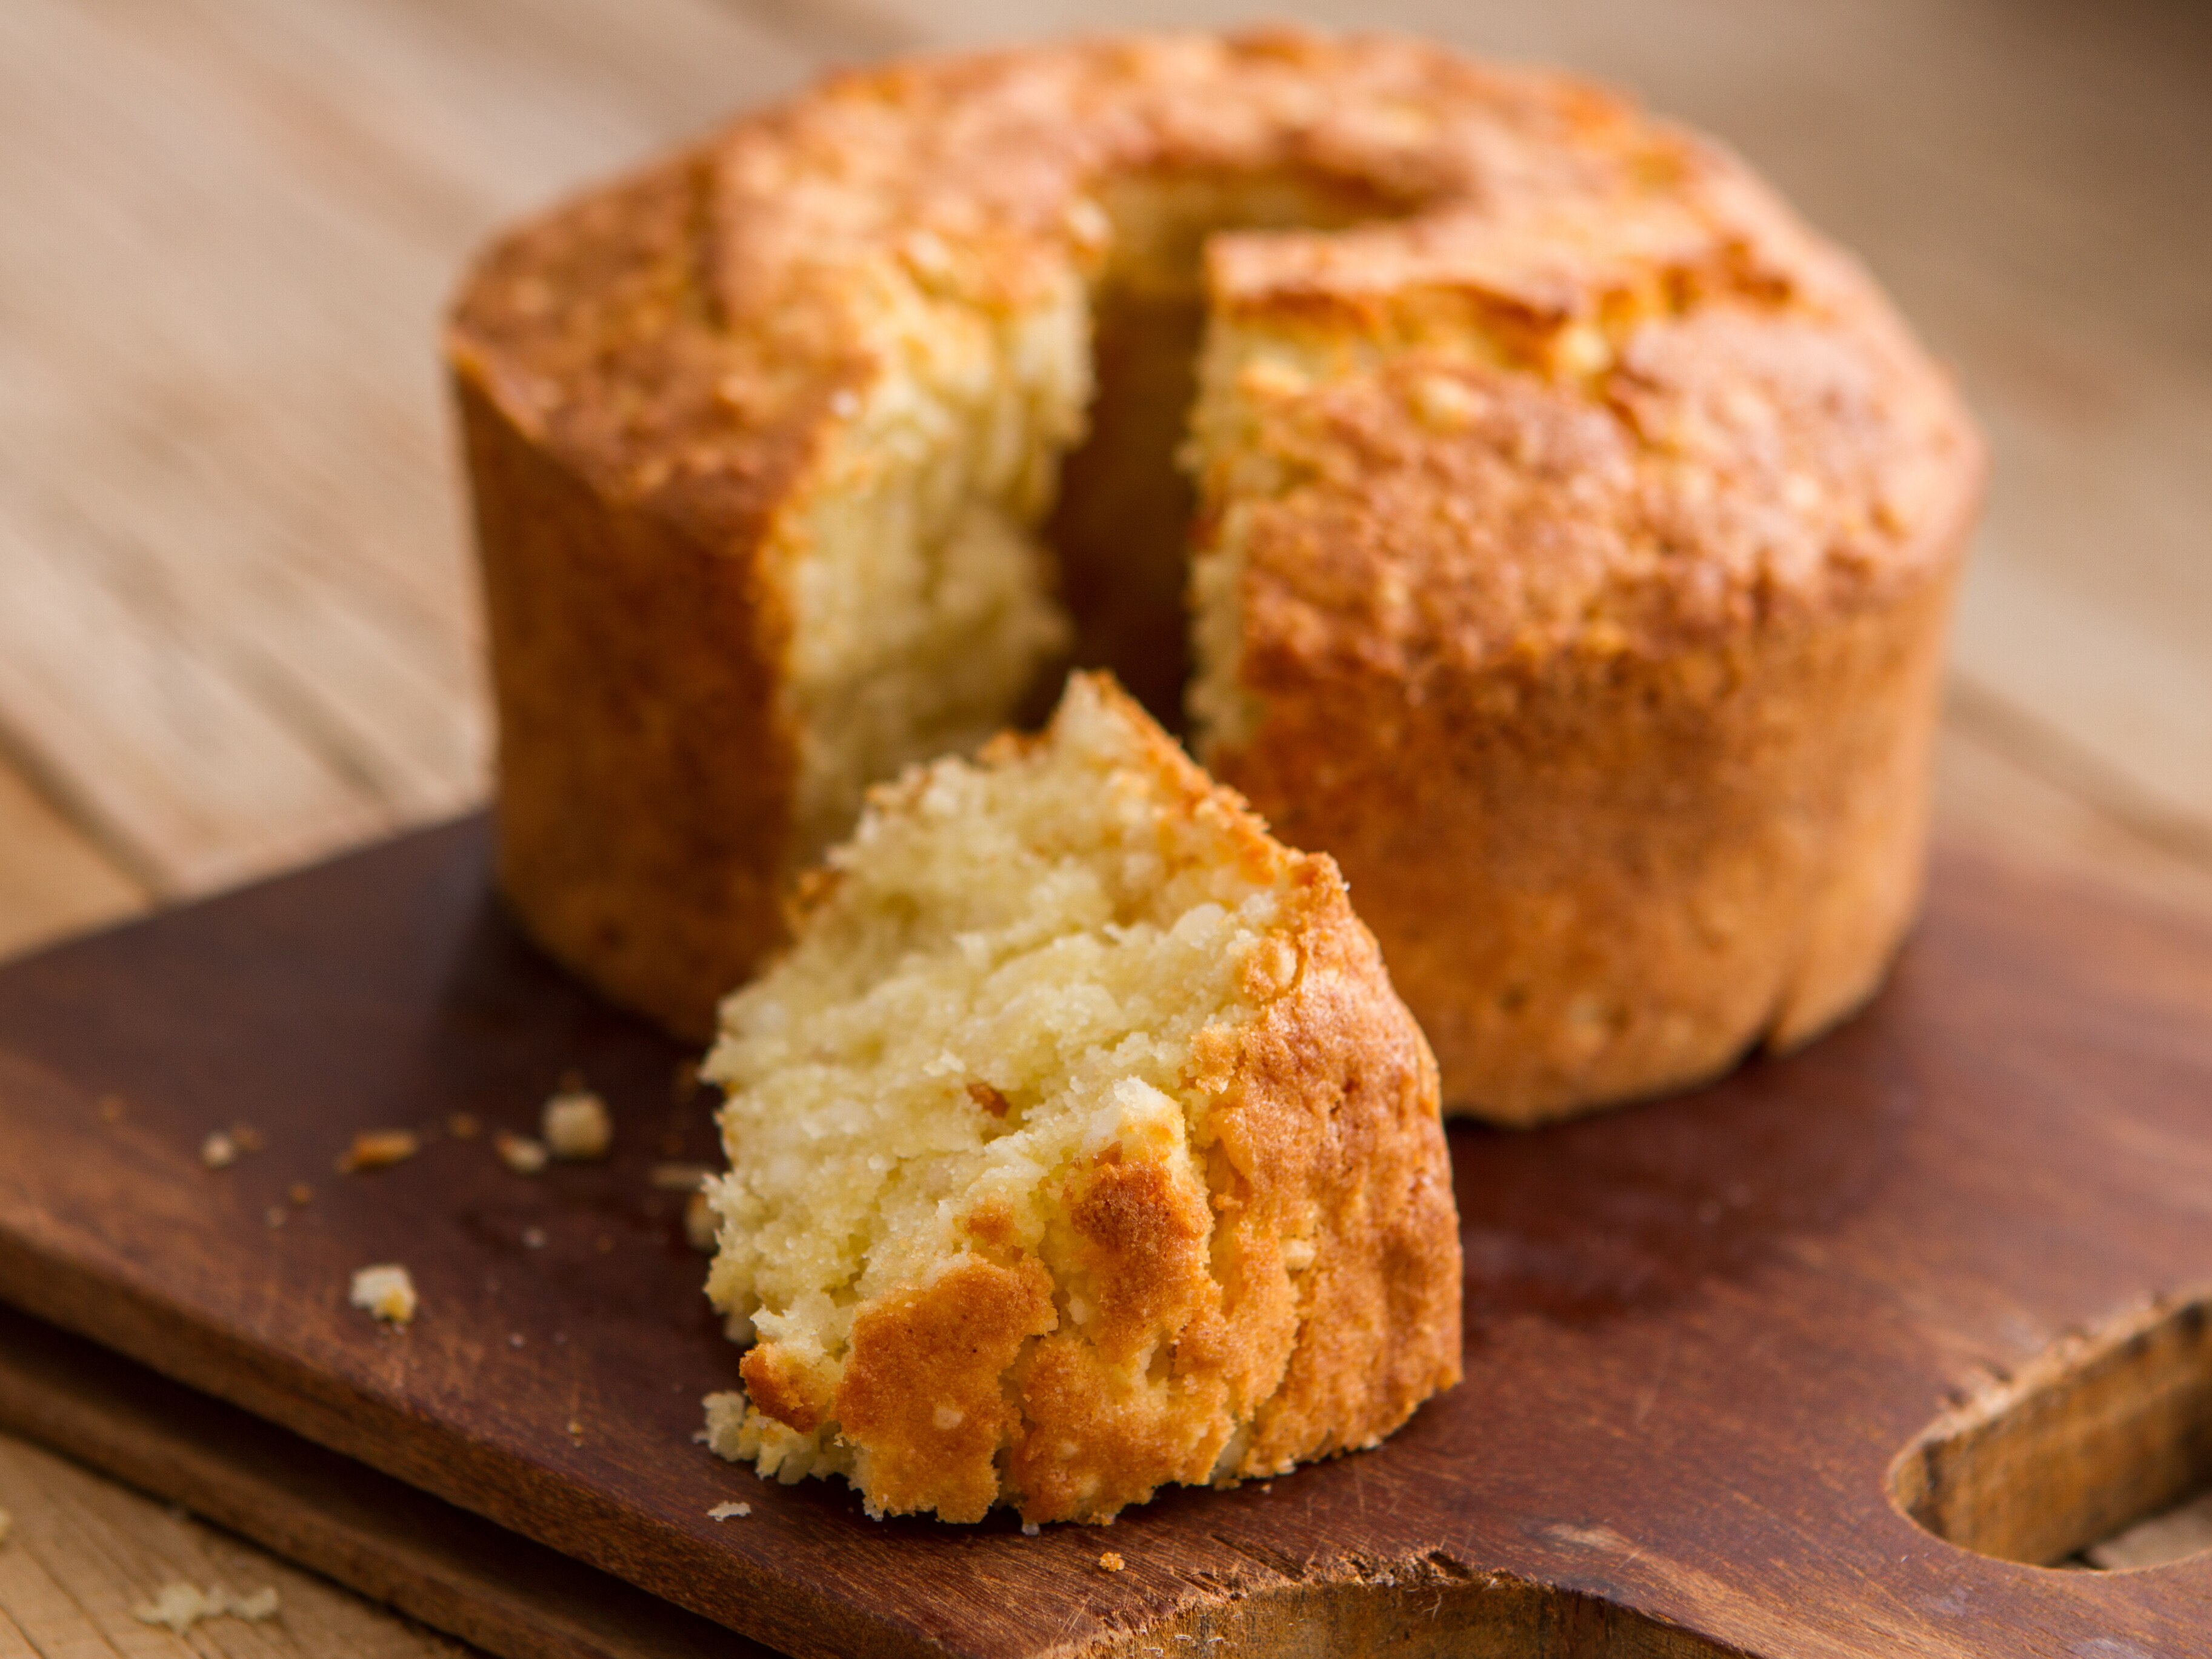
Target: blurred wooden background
column 237, row 621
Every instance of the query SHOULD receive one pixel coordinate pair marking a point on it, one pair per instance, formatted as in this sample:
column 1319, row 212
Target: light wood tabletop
column 238, row 626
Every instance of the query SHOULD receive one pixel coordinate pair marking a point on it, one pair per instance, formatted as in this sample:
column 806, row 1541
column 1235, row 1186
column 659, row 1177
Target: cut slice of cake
column 1079, row 1145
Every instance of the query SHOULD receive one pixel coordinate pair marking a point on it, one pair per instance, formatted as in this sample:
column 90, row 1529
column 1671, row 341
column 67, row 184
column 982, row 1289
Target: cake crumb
column 300, row 1192
column 514, row 1338
column 218, row 1150
column 534, row 1239
column 463, row 1126
column 700, row 1224
column 275, row 1215
column 677, row 1177
column 575, row 1431
column 247, row 1136
column 179, row 1605
column 519, row 1152
column 378, row 1149
column 729, row 1511
column 1030, row 1529
column 576, row 1126
column 386, row 1293
column 1110, row 1561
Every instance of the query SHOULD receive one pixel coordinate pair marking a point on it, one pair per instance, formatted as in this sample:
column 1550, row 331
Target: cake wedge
column 1079, row 1145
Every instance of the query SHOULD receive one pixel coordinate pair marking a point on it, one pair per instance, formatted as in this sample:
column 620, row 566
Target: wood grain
column 1699, row 1332
column 82, row 1554
column 235, row 625
column 499, row 1591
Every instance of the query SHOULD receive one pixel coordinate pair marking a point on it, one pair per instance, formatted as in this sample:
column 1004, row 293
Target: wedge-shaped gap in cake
column 2097, row 1453
column 1119, row 526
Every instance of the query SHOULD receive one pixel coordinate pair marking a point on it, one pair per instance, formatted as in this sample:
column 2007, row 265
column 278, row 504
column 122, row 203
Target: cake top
column 1568, row 373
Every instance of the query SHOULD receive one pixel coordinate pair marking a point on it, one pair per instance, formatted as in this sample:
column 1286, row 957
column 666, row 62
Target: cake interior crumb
column 1048, row 924
column 386, row 1291
column 576, row 1126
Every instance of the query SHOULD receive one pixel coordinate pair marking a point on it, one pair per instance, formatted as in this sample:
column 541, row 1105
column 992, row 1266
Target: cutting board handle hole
column 2097, row 1453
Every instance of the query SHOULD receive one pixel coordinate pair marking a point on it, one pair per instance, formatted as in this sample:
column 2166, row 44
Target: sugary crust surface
column 1301, row 1302
column 1582, row 399
column 679, row 339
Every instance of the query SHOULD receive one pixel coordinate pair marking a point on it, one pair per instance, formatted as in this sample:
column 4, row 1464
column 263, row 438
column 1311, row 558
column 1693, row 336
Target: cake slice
column 1079, row 1145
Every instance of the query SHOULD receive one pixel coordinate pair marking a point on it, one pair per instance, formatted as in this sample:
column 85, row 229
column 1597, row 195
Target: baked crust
column 1588, row 524
column 1292, row 1292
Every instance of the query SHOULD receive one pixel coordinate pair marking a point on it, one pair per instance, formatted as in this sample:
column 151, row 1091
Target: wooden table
column 237, row 624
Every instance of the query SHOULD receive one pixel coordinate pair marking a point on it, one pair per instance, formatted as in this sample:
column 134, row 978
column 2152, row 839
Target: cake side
column 1606, row 604
column 1078, row 1147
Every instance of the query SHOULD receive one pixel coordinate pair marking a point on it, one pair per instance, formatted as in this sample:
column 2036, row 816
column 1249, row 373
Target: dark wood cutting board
column 1699, row 1332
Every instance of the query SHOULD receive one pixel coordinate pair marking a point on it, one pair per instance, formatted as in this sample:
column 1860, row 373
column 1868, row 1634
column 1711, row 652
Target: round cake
column 1498, row 487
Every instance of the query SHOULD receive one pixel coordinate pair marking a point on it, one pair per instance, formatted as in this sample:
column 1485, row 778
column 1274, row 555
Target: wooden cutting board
column 1700, row 1333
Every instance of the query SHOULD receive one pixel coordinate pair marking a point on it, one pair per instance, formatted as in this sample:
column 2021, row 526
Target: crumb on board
column 1030, row 1529
column 248, row 1138
column 677, row 1177
column 1110, row 1561
column 729, row 1511
column 519, row 1152
column 575, row 1125
column 300, row 1193
column 275, row 1215
column 575, row 1431
column 378, row 1149
column 386, row 1291
column 514, row 1338
column 180, row 1605
column 699, row 1223
column 463, row 1126
column 219, row 1151
column 534, row 1239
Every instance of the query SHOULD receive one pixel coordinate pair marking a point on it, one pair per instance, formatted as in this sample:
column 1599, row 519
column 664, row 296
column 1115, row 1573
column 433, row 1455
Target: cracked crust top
column 1707, row 411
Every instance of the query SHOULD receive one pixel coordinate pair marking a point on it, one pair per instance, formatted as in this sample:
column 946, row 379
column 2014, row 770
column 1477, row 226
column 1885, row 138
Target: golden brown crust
column 1602, row 422
column 920, row 1398
column 1684, row 814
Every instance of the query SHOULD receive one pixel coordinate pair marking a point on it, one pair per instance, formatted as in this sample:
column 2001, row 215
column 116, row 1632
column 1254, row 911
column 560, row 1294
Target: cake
column 1079, row 1145
column 1500, row 488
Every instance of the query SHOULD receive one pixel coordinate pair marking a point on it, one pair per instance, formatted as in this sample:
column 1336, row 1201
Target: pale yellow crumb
column 576, row 1126
column 701, row 1224
column 575, row 1431
column 179, row 1605
column 1109, row 1561
column 386, row 1291
column 378, row 1149
column 261, row 1605
column 463, row 1126
column 218, row 1150
column 519, row 1152
column 729, row 1511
